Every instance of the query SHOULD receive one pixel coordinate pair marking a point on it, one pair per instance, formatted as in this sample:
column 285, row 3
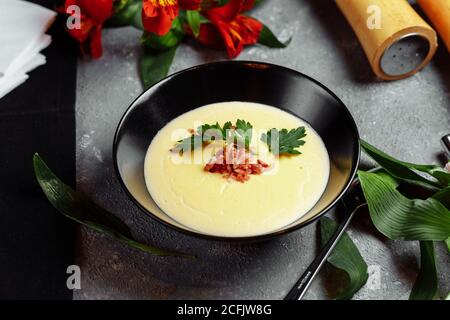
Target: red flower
column 230, row 28
column 93, row 14
column 158, row 15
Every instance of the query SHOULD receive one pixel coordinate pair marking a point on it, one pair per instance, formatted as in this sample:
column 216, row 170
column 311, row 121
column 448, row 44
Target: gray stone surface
column 405, row 118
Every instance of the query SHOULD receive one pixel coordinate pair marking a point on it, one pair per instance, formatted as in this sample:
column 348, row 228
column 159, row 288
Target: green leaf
column 127, row 12
column 398, row 217
column 346, row 257
column 371, row 150
column 404, row 170
column 443, row 196
column 204, row 133
column 244, row 131
column 243, row 125
column 189, row 143
column 284, row 141
column 208, row 132
column 227, row 126
column 155, row 65
column 193, row 19
column 214, row 130
column 426, row 285
column 77, row 208
column 442, row 175
column 258, row 2
column 170, row 40
column 268, row 39
column 119, row 5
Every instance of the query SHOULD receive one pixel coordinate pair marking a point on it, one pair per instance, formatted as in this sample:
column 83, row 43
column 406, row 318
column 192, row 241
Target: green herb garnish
column 284, row 141
column 279, row 141
column 244, row 130
column 241, row 133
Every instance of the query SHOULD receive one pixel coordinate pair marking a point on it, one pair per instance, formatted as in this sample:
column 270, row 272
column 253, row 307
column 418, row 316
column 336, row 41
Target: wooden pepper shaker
column 438, row 11
column 397, row 41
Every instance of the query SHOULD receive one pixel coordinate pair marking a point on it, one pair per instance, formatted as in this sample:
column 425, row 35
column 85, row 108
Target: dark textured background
column 36, row 242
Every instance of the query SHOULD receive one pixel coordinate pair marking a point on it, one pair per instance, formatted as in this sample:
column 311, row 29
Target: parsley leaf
column 211, row 132
column 240, row 133
column 227, row 126
column 189, row 143
column 245, row 131
column 284, row 141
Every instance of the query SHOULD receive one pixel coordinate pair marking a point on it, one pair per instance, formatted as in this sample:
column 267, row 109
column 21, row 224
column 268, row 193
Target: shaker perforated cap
column 405, row 55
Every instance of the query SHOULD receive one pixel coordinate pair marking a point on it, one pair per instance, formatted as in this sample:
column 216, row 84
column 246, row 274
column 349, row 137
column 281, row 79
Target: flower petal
column 247, row 5
column 189, row 4
column 96, row 42
column 227, row 12
column 210, row 36
column 82, row 34
column 158, row 19
column 99, row 10
column 250, row 29
column 233, row 40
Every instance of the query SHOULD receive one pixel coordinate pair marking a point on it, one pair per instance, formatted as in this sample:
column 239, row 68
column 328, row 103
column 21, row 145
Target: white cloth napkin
column 22, row 37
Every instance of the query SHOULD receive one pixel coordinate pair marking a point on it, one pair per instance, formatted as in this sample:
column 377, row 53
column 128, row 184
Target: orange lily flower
column 158, row 15
column 230, row 28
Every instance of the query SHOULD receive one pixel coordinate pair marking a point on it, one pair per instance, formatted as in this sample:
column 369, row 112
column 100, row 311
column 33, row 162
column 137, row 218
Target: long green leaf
column 268, row 39
column 404, row 170
column 377, row 153
column 442, row 175
column 398, row 217
column 193, row 19
column 346, row 257
column 426, row 285
column 155, row 65
column 77, row 208
column 443, row 196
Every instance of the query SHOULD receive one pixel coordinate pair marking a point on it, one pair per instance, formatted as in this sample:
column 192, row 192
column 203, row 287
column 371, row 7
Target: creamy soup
column 211, row 204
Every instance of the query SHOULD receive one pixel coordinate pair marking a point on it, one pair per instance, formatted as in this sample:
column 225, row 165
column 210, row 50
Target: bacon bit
column 234, row 163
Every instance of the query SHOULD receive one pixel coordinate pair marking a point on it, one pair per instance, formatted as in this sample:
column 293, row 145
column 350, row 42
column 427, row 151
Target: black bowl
column 257, row 82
